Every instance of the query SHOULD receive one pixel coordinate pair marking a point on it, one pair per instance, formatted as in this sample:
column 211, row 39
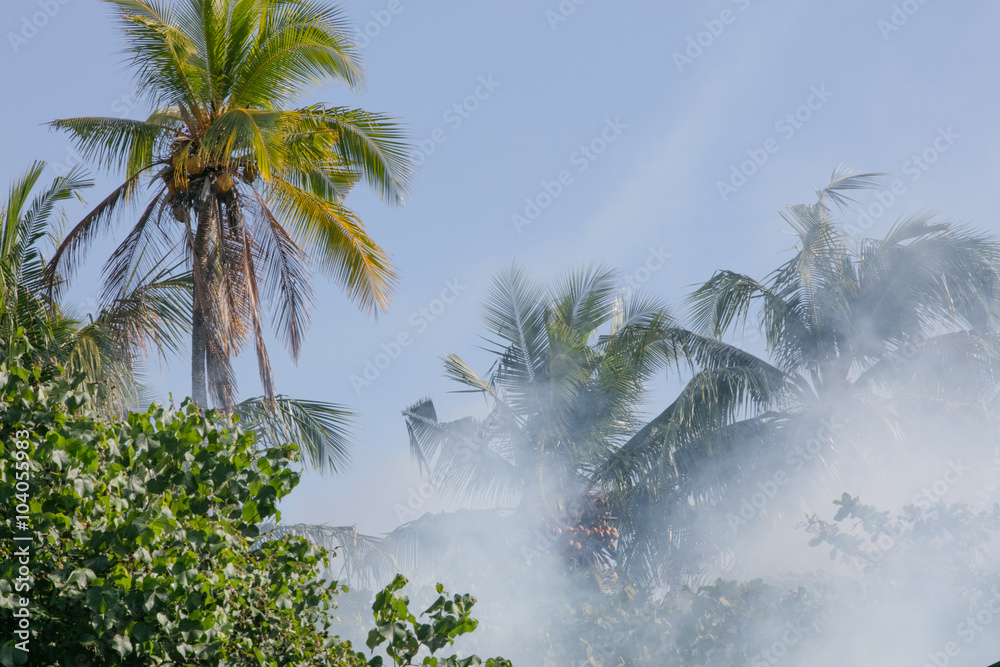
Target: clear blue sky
column 664, row 120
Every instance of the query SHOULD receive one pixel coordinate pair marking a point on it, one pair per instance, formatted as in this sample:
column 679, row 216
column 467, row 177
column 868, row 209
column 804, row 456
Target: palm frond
column 460, row 457
column 153, row 307
column 286, row 277
column 515, row 315
column 340, row 244
column 118, row 142
column 844, row 179
column 247, row 136
column 161, row 54
column 322, row 430
column 25, row 224
column 70, row 252
column 464, row 541
column 303, row 43
column 356, row 558
column 373, row 143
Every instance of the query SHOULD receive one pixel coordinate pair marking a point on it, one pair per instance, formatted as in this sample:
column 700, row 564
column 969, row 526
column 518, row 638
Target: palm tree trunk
column 199, row 338
column 199, row 386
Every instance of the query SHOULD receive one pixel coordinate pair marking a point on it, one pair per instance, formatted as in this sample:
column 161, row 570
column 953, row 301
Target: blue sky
column 618, row 121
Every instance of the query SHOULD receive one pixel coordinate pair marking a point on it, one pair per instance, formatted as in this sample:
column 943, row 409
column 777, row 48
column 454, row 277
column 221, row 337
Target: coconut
column 180, row 212
column 195, row 165
column 249, row 174
column 168, row 180
column 224, row 182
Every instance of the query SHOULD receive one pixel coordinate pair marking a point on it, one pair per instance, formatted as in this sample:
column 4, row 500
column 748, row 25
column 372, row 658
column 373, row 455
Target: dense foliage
column 136, row 542
column 141, row 537
column 153, row 537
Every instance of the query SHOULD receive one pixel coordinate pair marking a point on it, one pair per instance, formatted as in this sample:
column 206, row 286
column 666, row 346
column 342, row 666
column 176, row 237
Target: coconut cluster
column 587, row 533
column 187, row 178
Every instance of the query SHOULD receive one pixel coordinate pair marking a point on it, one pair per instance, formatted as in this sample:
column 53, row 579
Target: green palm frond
column 161, row 54
column 285, row 271
column 143, row 249
column 339, row 243
column 725, row 301
column 70, row 253
column 25, row 223
column 515, row 316
column 303, row 44
column 247, row 136
column 462, row 461
column 155, row 307
column 584, row 300
column 674, row 440
column 322, row 430
column 356, row 558
column 376, row 143
column 116, row 142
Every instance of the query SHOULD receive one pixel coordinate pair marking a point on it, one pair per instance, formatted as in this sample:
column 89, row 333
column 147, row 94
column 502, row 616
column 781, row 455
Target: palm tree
column 865, row 338
column 23, row 302
column 108, row 349
column 245, row 190
column 564, row 392
column 111, row 348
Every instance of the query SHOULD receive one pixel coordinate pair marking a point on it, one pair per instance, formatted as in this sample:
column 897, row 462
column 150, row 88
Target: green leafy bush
column 407, row 636
column 135, row 542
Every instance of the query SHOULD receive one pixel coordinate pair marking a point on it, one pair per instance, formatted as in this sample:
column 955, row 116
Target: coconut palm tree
column 23, row 302
column 234, row 180
column 564, row 392
column 865, row 339
column 111, row 347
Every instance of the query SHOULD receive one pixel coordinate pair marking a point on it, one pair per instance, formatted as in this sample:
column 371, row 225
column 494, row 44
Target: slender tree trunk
column 199, row 386
column 199, row 338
